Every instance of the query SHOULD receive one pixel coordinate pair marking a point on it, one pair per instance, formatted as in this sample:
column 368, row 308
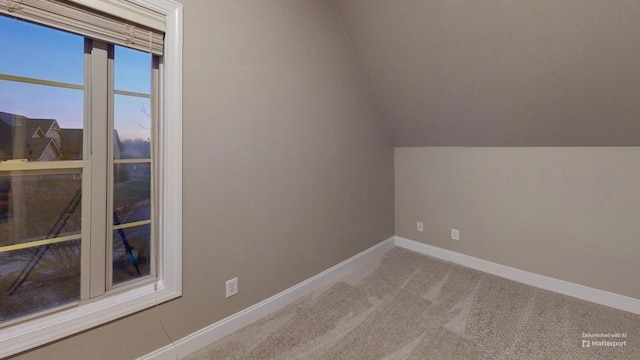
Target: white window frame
column 168, row 285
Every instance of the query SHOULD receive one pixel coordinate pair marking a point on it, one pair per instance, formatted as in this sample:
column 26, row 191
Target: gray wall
column 501, row 73
column 498, row 73
column 568, row 213
column 287, row 171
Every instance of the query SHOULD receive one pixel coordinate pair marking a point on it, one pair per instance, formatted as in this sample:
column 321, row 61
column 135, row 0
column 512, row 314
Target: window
column 90, row 218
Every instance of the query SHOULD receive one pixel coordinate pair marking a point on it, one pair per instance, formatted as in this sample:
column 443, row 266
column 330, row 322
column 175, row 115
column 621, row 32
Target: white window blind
column 75, row 18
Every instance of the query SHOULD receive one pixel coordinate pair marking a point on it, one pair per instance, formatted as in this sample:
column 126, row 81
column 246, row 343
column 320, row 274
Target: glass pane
column 36, row 207
column 131, row 193
column 40, row 123
column 132, row 122
column 64, row 105
column 131, row 253
column 132, row 70
column 40, row 52
column 39, row 278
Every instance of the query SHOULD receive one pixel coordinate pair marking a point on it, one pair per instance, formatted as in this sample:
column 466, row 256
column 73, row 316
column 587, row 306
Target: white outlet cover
column 231, row 287
column 420, row 226
column 455, row 234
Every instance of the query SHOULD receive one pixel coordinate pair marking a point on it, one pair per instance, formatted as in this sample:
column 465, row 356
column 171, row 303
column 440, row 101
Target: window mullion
column 111, row 133
column 85, row 247
column 155, row 148
column 99, row 115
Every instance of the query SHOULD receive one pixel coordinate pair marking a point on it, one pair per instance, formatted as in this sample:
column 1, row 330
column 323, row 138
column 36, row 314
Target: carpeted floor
column 404, row 305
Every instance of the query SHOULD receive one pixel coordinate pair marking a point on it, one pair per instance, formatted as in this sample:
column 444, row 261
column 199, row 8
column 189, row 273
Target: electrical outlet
column 420, row 226
column 455, row 234
column 232, row 287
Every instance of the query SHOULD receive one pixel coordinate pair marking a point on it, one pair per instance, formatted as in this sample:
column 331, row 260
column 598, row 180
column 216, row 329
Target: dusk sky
column 34, row 51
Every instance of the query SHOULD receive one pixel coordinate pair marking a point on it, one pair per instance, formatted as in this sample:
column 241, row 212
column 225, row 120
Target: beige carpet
column 404, row 305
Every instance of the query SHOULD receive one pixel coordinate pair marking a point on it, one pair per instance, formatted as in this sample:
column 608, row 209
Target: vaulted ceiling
column 501, row 72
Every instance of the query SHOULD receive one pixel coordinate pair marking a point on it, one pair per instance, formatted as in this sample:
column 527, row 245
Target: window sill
column 27, row 335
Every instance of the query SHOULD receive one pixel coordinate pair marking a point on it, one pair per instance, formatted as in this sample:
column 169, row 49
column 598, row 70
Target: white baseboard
column 544, row 282
column 224, row 327
column 168, row 352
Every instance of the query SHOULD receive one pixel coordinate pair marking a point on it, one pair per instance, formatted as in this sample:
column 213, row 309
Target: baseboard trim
column 168, row 352
column 224, row 327
column 597, row 296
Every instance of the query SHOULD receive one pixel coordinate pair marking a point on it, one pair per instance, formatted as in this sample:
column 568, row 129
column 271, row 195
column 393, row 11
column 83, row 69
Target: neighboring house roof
column 24, row 138
column 38, row 133
column 30, row 148
column 7, row 125
column 44, row 124
column 71, row 144
column 36, row 147
column 12, row 119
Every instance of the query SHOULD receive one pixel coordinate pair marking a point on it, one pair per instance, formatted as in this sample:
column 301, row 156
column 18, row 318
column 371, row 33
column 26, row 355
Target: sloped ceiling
column 501, row 72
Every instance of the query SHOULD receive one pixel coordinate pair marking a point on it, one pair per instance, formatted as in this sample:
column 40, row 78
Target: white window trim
column 41, row 330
